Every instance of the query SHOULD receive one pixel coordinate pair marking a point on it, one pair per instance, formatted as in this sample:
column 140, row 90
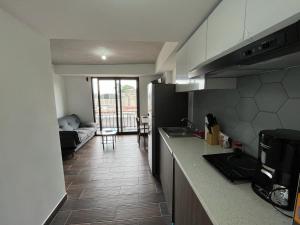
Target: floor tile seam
column 111, row 207
column 122, row 220
column 138, row 219
column 68, row 218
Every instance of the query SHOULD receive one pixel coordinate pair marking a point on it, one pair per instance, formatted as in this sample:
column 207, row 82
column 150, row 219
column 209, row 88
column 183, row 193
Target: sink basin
column 178, row 131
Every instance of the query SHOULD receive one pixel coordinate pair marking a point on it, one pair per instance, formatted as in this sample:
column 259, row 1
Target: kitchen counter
column 224, row 202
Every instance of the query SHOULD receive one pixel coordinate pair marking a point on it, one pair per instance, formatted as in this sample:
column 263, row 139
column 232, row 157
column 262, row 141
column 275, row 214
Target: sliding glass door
column 116, row 103
column 129, row 105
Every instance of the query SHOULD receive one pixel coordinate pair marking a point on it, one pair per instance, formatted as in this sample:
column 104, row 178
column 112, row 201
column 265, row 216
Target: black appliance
column 235, row 166
column 276, row 51
column 276, row 176
column 166, row 108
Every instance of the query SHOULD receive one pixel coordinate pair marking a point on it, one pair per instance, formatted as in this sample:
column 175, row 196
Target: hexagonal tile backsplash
column 270, row 97
column 260, row 102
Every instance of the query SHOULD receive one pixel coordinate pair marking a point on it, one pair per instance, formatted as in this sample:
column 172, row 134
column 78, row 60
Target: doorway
column 116, row 104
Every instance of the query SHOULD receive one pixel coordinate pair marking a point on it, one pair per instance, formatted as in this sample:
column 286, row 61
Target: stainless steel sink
column 178, row 131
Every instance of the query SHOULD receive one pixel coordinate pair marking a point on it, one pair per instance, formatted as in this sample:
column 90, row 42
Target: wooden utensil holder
column 213, row 137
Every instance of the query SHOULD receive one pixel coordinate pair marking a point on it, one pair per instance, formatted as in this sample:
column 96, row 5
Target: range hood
column 274, row 52
column 207, row 83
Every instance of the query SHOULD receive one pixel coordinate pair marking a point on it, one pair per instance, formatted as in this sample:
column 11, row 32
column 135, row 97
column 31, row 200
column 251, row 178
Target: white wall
column 169, row 77
column 31, row 172
column 144, row 81
column 124, row 69
column 60, row 95
column 166, row 59
column 79, row 97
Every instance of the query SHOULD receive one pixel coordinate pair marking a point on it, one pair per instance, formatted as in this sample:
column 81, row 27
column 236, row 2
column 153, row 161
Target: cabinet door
column 166, row 174
column 188, row 210
column 181, row 65
column 261, row 15
column 225, row 27
column 197, row 47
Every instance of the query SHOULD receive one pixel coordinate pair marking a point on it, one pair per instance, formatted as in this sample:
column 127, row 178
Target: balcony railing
column 109, row 120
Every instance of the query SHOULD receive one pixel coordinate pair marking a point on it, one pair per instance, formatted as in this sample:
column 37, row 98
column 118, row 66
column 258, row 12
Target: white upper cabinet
column 197, row 47
column 225, row 26
column 181, row 65
column 263, row 14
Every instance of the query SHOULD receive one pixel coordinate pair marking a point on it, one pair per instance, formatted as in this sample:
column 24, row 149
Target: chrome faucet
column 189, row 124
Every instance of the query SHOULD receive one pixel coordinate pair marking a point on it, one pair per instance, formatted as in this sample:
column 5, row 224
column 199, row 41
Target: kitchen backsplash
column 260, row 102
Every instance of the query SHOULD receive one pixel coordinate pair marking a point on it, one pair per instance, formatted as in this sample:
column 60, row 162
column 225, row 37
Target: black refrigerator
column 166, row 108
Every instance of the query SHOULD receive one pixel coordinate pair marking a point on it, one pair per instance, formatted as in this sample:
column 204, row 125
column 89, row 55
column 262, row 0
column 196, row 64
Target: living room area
column 98, row 105
column 106, row 181
column 104, row 146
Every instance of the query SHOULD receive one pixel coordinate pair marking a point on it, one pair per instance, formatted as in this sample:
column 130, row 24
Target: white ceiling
column 112, row 20
column 80, row 52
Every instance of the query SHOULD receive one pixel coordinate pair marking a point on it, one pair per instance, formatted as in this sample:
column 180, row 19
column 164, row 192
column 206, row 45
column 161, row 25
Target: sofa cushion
column 90, row 125
column 69, row 123
column 84, row 134
column 89, row 131
column 64, row 126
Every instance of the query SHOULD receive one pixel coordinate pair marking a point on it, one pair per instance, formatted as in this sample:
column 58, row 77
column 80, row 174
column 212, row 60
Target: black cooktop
column 234, row 166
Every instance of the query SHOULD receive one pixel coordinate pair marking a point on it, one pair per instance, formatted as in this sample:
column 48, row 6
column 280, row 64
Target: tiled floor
column 111, row 187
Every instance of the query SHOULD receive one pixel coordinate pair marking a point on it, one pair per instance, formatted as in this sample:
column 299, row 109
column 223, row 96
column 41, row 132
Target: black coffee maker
column 276, row 176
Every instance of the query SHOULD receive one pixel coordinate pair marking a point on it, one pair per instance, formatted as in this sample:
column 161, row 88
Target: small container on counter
column 199, row 134
column 224, row 140
column 237, row 146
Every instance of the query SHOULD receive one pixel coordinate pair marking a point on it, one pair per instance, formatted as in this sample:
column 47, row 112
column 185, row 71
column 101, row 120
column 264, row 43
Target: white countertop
column 224, row 202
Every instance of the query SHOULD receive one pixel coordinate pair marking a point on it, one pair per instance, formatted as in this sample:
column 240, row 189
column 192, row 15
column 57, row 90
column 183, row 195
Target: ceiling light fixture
column 102, row 52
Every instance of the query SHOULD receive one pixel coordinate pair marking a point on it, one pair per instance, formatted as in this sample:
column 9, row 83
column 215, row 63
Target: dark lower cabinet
column 187, row 208
column 166, row 174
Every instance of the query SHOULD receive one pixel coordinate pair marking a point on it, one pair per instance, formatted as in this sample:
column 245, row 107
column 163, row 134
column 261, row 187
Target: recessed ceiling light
column 102, row 52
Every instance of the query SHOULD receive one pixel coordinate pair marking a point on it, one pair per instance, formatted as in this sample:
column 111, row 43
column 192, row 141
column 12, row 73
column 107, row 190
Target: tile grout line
column 68, row 217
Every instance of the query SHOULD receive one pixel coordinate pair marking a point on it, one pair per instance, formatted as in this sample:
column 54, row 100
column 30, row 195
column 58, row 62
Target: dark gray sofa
column 74, row 134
